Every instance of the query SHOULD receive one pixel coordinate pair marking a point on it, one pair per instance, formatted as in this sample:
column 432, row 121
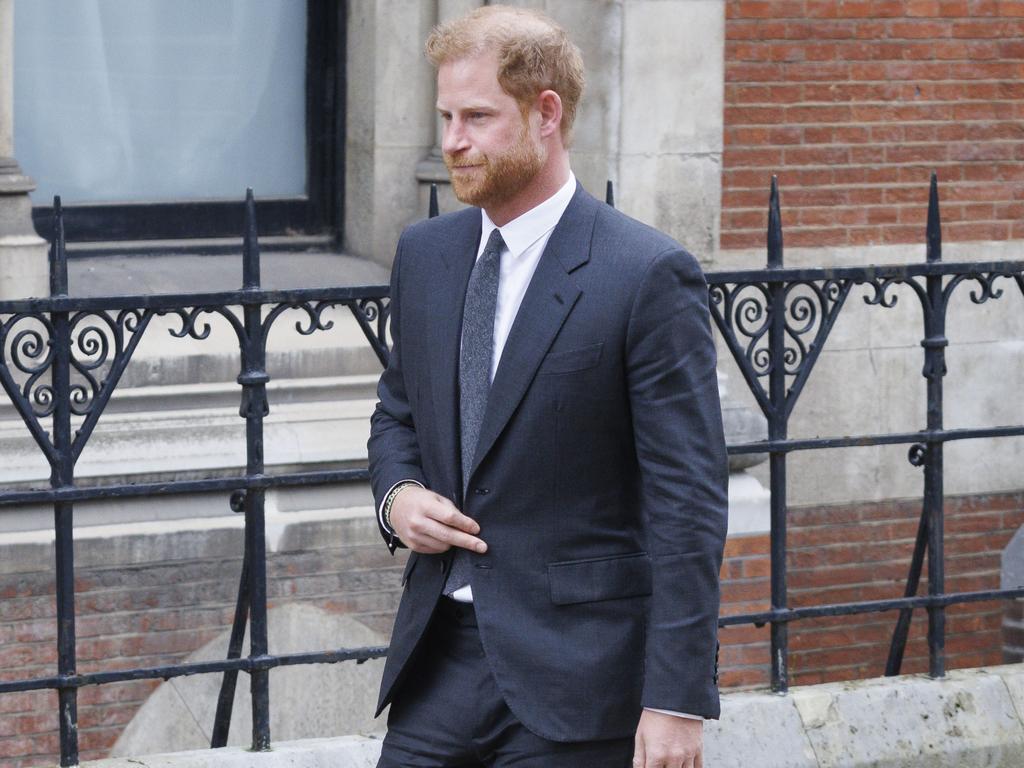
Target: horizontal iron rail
column 246, row 664
column 271, row 661
column 895, row 438
column 355, row 293
column 201, row 485
column 869, row 606
column 218, row 299
column 326, row 477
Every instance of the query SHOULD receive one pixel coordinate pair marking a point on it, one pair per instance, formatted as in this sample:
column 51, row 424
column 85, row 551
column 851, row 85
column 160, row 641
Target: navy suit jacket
column 600, row 476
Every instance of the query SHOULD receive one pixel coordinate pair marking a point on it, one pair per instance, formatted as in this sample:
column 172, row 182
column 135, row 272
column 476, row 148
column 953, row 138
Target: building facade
column 151, row 120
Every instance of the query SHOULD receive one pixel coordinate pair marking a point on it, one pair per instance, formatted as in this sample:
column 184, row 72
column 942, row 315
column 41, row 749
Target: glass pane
column 156, row 100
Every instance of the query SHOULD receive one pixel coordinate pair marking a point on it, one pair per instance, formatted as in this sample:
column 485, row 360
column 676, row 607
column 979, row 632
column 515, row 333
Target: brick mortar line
column 945, row 81
column 884, row 206
column 874, row 143
column 870, row 102
column 855, row 81
column 850, row 62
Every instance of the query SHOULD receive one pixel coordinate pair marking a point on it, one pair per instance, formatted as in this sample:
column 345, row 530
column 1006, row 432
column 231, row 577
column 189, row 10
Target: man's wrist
column 384, row 520
column 389, row 500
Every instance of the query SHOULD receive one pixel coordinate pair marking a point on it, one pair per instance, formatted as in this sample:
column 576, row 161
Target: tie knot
column 494, row 243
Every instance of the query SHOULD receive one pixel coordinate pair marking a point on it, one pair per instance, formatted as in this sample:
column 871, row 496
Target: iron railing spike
column 434, row 209
column 250, row 244
column 58, row 252
column 609, row 193
column 774, row 226
column 933, row 230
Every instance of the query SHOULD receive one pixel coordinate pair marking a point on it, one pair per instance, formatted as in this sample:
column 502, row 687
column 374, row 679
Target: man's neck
column 548, row 181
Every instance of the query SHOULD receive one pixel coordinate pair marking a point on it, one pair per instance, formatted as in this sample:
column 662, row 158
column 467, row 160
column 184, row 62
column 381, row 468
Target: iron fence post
column 777, row 430
column 62, row 476
column 253, row 379
column 934, row 344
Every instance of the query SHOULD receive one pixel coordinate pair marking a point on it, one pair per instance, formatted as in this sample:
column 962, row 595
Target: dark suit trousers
column 449, row 713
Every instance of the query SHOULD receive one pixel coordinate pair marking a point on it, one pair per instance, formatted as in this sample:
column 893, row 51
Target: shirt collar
column 525, row 230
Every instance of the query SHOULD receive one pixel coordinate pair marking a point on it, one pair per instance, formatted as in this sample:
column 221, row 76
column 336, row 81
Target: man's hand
column 667, row 741
column 429, row 523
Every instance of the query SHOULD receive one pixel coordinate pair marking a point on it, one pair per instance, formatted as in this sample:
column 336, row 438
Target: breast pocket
column 572, row 360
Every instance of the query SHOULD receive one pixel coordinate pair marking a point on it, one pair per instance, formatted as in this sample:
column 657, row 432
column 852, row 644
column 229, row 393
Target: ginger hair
column 534, row 54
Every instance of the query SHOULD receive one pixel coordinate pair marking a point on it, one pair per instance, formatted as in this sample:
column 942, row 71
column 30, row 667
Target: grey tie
column 475, row 373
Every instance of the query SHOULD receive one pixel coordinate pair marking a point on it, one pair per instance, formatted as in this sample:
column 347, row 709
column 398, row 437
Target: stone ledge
column 341, row 752
column 970, row 717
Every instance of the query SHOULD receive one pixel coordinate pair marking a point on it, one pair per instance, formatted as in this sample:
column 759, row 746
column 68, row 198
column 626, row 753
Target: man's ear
column 549, row 104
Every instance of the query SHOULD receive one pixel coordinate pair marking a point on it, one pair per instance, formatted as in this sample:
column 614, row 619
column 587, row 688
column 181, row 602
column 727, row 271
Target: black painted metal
column 433, row 210
column 62, row 356
column 226, row 697
column 254, row 407
column 777, row 430
column 934, row 345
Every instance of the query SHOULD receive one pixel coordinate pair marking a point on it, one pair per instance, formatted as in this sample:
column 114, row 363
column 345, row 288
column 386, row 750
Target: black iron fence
column 61, row 358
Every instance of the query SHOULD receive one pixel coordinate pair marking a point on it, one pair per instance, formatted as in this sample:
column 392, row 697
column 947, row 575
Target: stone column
column 431, row 169
column 671, row 119
column 23, row 261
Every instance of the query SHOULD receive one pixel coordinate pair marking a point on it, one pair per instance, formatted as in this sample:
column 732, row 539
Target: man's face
column 491, row 149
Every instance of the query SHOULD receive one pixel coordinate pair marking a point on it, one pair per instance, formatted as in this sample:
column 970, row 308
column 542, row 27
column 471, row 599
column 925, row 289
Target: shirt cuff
column 675, row 714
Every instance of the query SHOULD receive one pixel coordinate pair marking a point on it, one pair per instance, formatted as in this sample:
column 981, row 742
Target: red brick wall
column 158, row 613
column 862, row 552
column 853, row 104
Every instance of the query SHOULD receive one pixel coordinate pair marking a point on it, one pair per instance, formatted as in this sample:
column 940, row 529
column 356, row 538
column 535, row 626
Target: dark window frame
column 318, row 212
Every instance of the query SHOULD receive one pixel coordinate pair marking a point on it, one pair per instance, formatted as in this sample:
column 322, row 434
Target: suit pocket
column 572, row 359
column 604, row 578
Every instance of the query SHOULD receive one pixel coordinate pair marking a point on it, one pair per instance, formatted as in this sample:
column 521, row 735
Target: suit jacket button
column 481, row 491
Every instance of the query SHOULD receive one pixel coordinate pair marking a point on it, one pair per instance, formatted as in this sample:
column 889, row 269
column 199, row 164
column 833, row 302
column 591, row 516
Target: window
column 151, row 117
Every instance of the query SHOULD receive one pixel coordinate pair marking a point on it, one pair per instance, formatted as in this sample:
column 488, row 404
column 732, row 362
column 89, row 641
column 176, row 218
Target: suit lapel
column 549, row 299
column 457, row 256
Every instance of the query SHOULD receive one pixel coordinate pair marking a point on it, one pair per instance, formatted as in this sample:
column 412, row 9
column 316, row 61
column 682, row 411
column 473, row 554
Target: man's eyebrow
column 469, row 108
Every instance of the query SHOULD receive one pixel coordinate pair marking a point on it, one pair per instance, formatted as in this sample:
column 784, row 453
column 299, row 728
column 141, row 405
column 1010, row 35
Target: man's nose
column 454, row 139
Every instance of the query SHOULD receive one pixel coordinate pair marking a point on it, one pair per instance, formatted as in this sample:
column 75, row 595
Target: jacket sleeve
column 393, row 446
column 677, row 424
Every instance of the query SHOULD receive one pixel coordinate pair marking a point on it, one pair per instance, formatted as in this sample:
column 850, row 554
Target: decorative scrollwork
column 744, row 314
column 983, row 290
column 372, row 315
column 190, row 325
column 99, row 340
column 25, row 340
column 374, row 312
column 307, row 326
column 811, row 309
column 882, row 294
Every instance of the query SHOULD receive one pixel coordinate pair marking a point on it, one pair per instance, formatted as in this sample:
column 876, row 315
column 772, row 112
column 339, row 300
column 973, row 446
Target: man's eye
column 477, row 115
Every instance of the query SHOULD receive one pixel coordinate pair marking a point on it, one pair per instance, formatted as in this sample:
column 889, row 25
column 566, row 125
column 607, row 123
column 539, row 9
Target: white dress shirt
column 525, row 239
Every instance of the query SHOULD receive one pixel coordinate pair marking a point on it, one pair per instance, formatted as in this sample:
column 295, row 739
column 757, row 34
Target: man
column 548, row 443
